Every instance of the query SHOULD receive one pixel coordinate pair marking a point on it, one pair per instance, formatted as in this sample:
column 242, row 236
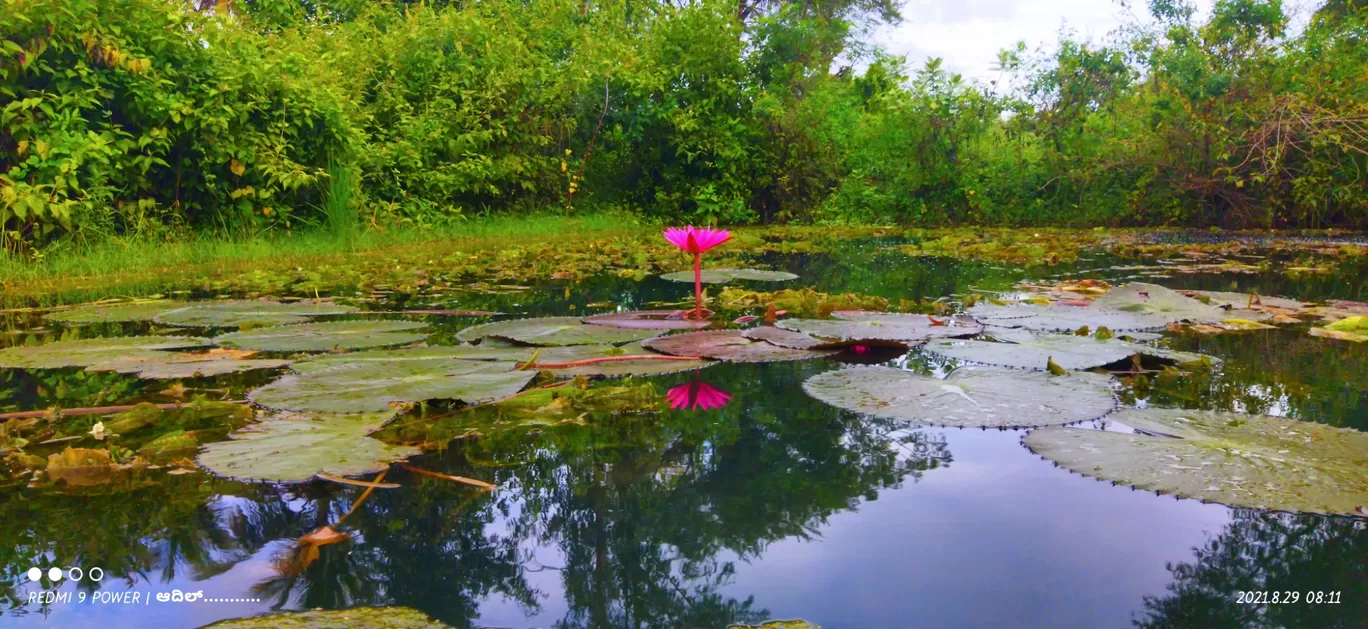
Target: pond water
column 774, row 506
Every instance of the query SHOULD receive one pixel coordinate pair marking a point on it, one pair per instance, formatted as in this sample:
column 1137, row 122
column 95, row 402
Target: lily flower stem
column 698, row 287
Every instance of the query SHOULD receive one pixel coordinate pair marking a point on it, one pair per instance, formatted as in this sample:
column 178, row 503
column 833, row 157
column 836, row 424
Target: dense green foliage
column 161, row 117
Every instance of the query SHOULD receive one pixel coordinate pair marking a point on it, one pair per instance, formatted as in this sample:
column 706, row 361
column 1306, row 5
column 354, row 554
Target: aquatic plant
column 697, row 395
column 696, row 241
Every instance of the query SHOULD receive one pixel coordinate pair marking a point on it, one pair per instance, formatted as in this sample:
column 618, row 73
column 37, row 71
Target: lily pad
column 166, row 366
column 1230, row 458
column 1032, row 351
column 729, row 345
column 1339, row 335
column 323, row 337
column 722, row 276
column 1057, row 318
column 376, row 386
column 1243, row 301
column 295, row 447
column 354, row 617
column 647, row 320
column 617, row 368
column 882, row 327
column 787, row 338
column 1153, row 299
column 236, row 313
column 90, row 351
column 981, row 398
column 554, row 331
column 143, row 310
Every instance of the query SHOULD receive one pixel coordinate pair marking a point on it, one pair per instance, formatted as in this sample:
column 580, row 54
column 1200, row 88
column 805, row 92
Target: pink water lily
column 697, row 395
column 696, row 240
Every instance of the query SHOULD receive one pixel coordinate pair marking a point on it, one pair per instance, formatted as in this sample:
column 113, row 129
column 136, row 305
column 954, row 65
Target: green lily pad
column 883, row 327
column 554, row 331
column 787, row 338
column 236, row 313
column 729, row 345
column 618, row 368
column 723, row 276
column 647, row 320
column 293, row 447
column 1230, row 458
column 323, row 337
column 521, row 354
column 90, row 351
column 1031, row 351
column 1140, row 297
column 376, row 386
column 986, row 398
column 1057, row 318
column 167, row 366
column 353, row 618
column 1355, row 325
column 143, row 310
column 1241, row 301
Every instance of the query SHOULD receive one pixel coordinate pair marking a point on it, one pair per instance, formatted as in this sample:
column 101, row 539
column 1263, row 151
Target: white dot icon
column 35, row 573
column 55, row 573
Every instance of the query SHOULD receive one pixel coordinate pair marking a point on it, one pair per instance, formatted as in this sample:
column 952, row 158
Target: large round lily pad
column 617, row 368
column 376, row 386
column 167, row 365
column 648, row 320
column 294, row 447
column 352, row 618
column 722, row 276
column 883, row 327
column 728, row 345
column 987, row 398
column 787, row 338
column 1057, row 318
column 235, row 313
column 520, row 354
column 143, row 310
column 1141, row 297
column 1034, row 351
column 323, row 337
column 553, row 331
column 1230, row 458
column 90, row 351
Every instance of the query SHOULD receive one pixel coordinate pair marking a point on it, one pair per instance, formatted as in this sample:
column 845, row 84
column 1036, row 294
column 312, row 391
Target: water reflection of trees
column 1269, row 552
column 645, row 514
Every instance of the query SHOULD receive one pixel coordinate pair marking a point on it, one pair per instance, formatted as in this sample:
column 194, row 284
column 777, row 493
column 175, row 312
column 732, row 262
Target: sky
column 967, row 34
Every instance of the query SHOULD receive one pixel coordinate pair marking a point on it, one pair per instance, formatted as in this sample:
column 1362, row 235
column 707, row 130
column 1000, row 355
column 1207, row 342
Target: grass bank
column 129, row 264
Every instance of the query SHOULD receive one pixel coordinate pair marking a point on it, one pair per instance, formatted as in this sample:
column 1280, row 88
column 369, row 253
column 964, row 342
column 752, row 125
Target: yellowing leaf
column 237, row 168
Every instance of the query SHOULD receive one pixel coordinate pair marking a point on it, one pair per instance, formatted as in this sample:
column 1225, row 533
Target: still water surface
column 775, row 506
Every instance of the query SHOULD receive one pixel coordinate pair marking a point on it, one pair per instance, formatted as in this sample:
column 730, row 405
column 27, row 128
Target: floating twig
column 359, row 483
column 364, row 495
column 455, row 479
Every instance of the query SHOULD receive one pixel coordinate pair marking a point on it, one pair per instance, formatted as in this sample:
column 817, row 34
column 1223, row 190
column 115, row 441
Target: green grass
column 124, row 264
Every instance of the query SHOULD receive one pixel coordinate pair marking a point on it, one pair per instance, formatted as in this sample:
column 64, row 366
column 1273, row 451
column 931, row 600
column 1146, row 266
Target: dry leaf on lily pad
column 554, row 331
column 722, row 276
column 294, row 447
column 323, row 337
column 142, row 310
column 354, row 617
column 729, row 345
column 883, row 327
column 235, row 313
column 166, row 365
column 376, row 386
column 1025, row 350
column 91, row 351
column 648, row 320
column 980, row 398
column 1230, row 458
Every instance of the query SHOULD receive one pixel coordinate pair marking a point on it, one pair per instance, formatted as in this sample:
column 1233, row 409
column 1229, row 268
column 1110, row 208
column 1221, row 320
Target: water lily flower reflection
column 697, row 395
column 697, row 240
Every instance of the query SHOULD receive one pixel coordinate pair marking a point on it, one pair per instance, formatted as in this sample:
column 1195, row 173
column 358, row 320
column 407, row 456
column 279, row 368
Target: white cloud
column 968, row 34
